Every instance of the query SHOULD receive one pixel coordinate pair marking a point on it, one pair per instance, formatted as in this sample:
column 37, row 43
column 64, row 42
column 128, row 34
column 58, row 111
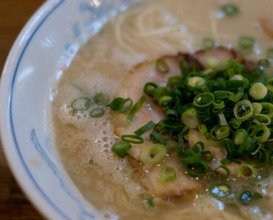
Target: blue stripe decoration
column 83, row 213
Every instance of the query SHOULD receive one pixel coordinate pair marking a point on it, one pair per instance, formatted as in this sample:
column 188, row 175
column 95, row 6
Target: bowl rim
column 9, row 142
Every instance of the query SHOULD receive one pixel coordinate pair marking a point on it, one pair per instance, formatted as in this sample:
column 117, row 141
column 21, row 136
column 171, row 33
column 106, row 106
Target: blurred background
column 13, row 16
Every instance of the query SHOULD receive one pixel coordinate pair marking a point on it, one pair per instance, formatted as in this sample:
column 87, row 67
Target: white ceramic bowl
column 42, row 51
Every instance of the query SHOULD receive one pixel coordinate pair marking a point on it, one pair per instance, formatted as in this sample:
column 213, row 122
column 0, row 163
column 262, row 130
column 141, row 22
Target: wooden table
column 13, row 203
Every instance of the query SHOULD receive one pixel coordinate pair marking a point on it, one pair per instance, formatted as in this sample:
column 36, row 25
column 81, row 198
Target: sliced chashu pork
column 132, row 86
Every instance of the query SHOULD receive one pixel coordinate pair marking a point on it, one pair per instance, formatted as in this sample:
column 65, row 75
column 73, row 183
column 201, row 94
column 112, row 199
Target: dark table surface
column 13, row 16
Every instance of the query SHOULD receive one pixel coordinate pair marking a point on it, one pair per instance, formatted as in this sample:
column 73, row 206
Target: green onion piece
column 101, row 99
column 199, row 169
column 167, row 174
column 262, row 133
column 234, row 123
column 150, row 202
column 264, row 63
column 247, row 171
column 207, row 156
column 81, row 104
column 240, row 137
column 144, row 128
column 171, row 113
column 162, row 66
column 203, row 100
column 269, row 84
column 153, row 154
column 230, row 9
column 218, row 105
column 159, row 92
column 196, row 82
column 208, row 43
column 157, row 138
column 220, row 190
column 237, row 77
column 204, row 131
column 262, row 119
column 97, row 112
column 190, row 156
column 132, row 139
column 258, row 91
column 149, row 89
column 199, row 146
column 171, row 144
column 190, row 118
column 269, row 53
column 245, row 198
column 267, row 108
column 222, row 119
column 135, row 108
column 164, row 100
column 219, row 132
column 257, row 107
column 121, row 104
column 246, row 42
column 172, row 125
column 226, row 170
column 91, row 162
column 243, row 110
column 121, row 148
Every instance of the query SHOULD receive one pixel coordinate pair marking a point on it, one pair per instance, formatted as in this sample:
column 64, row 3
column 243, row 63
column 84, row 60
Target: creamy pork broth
column 118, row 61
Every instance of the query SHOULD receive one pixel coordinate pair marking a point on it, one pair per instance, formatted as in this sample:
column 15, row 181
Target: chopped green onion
column 203, row 100
column 132, row 139
column 81, row 104
column 101, row 99
column 190, row 156
column 226, row 170
column 199, row 169
column 247, row 171
column 149, row 89
column 150, row 202
column 172, row 125
column 153, row 154
column 262, row 133
column 164, row 100
column 269, row 85
column 135, row 108
column 91, row 162
column 157, row 138
column 230, row 9
column 162, row 66
column 208, row 43
column 204, row 131
column 219, row 132
column 97, row 112
column 258, row 91
column 243, row 110
column 245, row 198
column 171, row 113
column 257, row 107
column 121, row 148
column 207, row 156
column 218, row 105
column 246, row 42
column 264, row 63
column 196, row 82
column 190, row 118
column 240, row 137
column 262, row 119
column 222, row 119
column 220, row 190
column 144, row 128
column 237, row 77
column 267, row 108
column 121, row 104
column 167, row 174
column 235, row 123
column 269, row 53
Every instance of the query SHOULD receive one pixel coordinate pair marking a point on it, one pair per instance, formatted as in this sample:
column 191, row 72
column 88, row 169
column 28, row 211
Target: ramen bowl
column 44, row 48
